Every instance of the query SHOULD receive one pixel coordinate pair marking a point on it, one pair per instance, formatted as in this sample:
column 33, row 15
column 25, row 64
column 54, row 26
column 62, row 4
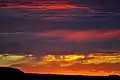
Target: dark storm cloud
column 106, row 5
column 21, row 20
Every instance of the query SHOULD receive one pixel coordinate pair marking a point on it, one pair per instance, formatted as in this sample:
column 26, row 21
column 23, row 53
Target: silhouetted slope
column 15, row 74
column 69, row 77
column 11, row 74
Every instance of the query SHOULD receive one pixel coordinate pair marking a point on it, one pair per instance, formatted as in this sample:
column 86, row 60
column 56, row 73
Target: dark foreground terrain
column 7, row 73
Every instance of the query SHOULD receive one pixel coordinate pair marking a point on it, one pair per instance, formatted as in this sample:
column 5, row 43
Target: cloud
column 41, row 6
column 108, row 5
column 83, row 35
column 33, row 17
column 62, row 63
column 20, row 20
column 65, row 41
column 74, row 23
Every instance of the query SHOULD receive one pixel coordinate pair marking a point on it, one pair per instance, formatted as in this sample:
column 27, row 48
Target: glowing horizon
column 75, row 64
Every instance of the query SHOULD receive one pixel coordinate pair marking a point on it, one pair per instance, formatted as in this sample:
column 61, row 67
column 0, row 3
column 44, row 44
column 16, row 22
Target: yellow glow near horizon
column 63, row 57
column 71, row 64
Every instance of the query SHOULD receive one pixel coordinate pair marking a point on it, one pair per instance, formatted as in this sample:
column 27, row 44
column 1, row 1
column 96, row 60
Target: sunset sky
column 40, row 27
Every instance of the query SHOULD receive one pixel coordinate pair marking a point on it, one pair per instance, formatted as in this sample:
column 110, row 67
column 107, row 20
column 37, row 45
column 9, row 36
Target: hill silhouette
column 15, row 74
column 11, row 73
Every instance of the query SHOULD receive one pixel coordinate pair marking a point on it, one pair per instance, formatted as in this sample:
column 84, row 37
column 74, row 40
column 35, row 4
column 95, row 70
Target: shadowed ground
column 15, row 74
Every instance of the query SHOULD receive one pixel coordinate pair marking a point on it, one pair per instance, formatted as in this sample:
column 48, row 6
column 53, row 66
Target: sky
column 41, row 27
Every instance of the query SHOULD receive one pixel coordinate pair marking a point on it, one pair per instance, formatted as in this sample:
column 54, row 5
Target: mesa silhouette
column 11, row 73
column 16, row 74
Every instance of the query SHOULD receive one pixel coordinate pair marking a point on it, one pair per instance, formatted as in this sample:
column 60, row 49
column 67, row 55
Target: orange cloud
column 72, row 64
column 75, row 65
column 45, row 6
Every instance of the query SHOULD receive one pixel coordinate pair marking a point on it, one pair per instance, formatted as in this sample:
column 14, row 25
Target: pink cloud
column 82, row 35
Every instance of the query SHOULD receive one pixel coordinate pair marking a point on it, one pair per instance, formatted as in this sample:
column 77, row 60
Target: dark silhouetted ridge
column 11, row 73
column 15, row 74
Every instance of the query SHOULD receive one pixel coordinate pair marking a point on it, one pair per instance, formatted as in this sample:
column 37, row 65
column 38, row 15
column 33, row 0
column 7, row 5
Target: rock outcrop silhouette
column 11, row 74
column 7, row 73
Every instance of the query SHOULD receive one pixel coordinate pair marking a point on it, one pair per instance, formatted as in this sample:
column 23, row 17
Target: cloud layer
column 46, row 26
column 73, row 64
